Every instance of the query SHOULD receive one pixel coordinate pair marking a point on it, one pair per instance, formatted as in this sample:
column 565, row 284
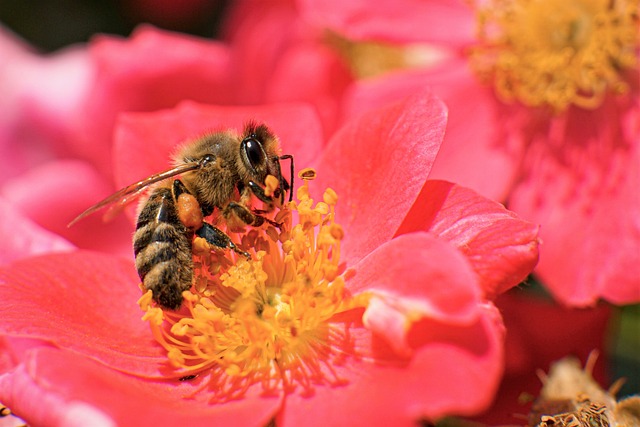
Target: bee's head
column 260, row 157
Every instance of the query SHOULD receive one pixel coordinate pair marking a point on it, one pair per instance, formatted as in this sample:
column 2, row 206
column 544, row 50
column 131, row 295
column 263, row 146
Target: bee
column 220, row 172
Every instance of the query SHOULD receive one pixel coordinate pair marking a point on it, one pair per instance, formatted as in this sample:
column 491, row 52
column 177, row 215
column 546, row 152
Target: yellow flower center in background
column 264, row 320
column 557, row 52
column 368, row 59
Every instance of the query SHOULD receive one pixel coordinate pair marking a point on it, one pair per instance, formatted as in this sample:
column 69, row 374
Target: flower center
column 368, row 59
column 266, row 320
column 557, row 52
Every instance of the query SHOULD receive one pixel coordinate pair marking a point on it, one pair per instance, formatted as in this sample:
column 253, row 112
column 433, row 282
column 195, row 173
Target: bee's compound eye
column 254, row 152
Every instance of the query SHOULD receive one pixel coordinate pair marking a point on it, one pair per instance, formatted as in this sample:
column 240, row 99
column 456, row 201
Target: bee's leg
column 258, row 213
column 178, row 188
column 191, row 215
column 189, row 210
column 218, row 238
column 245, row 214
column 259, row 192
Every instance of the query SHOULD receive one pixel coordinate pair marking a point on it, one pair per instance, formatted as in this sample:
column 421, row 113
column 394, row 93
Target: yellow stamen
column 307, row 174
column 266, row 320
column 557, row 53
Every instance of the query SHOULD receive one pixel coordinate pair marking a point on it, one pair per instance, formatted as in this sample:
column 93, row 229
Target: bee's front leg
column 218, row 238
column 247, row 216
column 259, row 192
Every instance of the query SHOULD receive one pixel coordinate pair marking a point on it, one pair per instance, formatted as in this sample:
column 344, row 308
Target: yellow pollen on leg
column 271, row 184
column 264, row 320
column 557, row 53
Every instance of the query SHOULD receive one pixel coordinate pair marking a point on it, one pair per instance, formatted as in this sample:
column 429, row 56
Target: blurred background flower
column 545, row 116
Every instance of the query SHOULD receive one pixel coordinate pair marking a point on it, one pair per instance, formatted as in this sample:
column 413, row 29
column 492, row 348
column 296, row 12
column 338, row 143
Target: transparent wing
column 129, row 193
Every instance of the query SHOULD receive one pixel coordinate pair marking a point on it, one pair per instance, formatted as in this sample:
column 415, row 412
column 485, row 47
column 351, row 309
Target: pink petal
column 414, row 276
column 41, row 99
column 14, row 349
column 377, row 165
column 476, row 151
column 56, row 192
column 144, row 142
column 82, row 301
column 312, row 73
column 580, row 181
column 151, row 70
column 420, row 268
column 254, row 31
column 7, row 359
column 22, row 238
column 454, row 370
column 11, row 45
column 60, row 388
column 447, row 21
column 502, row 248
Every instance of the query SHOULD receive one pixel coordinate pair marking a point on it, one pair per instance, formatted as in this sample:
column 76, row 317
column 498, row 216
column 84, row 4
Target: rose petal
column 421, row 272
column 296, row 125
column 41, row 99
column 254, row 33
column 412, row 279
column 56, row 192
column 474, row 153
column 14, row 349
column 377, row 165
column 60, row 388
column 271, row 65
column 501, row 248
column 455, row 369
column 583, row 189
column 478, row 151
column 312, row 73
column 151, row 70
column 447, row 21
column 82, row 301
column 22, row 238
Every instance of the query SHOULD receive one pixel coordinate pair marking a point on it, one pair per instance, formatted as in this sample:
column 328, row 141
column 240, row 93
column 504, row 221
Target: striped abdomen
column 162, row 246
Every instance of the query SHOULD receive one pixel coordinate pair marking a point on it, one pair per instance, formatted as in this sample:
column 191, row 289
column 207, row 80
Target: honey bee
column 219, row 171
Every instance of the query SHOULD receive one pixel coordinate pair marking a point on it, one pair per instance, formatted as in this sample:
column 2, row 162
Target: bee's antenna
column 287, row 157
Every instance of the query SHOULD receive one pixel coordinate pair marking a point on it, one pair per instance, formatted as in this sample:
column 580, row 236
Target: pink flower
column 413, row 336
column 553, row 131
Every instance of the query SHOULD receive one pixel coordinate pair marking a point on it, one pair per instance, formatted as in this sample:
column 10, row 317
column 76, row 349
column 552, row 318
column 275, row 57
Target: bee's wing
column 116, row 208
column 127, row 194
